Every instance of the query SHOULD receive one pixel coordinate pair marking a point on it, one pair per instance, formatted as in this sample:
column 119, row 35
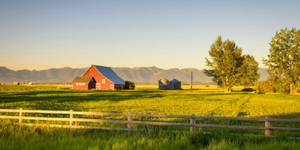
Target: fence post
column 192, row 122
column 129, row 125
column 267, row 125
column 71, row 117
column 21, row 114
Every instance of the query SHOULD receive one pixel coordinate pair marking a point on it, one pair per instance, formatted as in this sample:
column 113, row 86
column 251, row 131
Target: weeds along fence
column 193, row 125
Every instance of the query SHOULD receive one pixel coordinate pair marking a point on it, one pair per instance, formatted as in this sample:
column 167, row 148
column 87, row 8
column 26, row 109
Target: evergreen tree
column 225, row 65
column 284, row 58
column 249, row 71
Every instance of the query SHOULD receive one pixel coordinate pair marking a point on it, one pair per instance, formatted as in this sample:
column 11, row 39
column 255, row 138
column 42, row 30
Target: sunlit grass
column 146, row 99
column 202, row 101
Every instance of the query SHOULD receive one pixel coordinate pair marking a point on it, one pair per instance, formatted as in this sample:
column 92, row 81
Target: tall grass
column 22, row 137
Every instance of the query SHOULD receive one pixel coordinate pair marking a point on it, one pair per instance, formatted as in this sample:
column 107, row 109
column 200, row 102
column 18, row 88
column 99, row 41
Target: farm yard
column 146, row 99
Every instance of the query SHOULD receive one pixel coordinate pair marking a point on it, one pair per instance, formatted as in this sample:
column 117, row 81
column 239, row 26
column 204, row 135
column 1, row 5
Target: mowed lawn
column 146, row 99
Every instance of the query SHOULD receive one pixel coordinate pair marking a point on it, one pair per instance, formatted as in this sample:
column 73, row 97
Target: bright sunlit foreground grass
column 30, row 138
column 146, row 99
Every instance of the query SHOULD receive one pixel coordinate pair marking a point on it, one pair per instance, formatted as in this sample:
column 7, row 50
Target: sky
column 136, row 33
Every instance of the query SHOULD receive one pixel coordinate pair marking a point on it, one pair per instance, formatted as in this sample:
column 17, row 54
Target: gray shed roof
column 108, row 73
column 174, row 80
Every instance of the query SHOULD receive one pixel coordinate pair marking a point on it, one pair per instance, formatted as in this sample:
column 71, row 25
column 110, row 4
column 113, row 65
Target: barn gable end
column 105, row 77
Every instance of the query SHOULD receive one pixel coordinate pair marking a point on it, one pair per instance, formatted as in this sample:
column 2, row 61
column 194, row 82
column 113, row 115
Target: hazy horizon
column 106, row 66
column 168, row 34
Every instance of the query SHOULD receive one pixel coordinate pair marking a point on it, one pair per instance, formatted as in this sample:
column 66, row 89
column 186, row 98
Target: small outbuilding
column 30, row 83
column 163, row 84
column 16, row 83
column 175, row 84
column 83, row 83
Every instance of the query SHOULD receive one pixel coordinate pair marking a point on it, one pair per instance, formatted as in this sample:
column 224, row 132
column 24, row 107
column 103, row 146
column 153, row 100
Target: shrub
column 264, row 87
column 129, row 85
column 248, row 89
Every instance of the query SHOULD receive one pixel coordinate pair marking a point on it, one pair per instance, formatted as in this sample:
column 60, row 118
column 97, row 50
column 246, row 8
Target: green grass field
column 146, row 99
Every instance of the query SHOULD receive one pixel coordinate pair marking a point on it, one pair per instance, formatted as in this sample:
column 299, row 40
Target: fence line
column 268, row 127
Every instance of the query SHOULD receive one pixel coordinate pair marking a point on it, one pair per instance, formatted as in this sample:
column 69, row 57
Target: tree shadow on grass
column 214, row 94
column 295, row 115
column 83, row 91
column 78, row 96
column 199, row 89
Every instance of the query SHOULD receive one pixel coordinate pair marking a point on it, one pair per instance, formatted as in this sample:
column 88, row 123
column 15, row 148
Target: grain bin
column 163, row 84
column 175, row 85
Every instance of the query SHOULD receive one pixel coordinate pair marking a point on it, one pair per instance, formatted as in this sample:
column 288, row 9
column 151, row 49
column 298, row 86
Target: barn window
column 80, row 84
column 111, row 86
column 103, row 80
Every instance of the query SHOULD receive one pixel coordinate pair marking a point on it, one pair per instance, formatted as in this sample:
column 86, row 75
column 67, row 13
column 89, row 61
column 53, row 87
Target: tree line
column 229, row 67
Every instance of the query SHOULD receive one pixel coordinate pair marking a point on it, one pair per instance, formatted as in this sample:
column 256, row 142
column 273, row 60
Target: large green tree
column 248, row 71
column 225, row 64
column 284, row 58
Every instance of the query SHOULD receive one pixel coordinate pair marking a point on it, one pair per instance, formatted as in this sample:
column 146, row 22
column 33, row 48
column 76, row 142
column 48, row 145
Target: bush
column 264, row 87
column 248, row 89
column 129, row 85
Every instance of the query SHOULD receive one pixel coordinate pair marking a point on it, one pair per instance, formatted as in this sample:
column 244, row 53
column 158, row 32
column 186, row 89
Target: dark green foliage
column 198, row 136
column 129, row 85
column 229, row 67
column 248, row 71
column 284, row 59
column 248, row 89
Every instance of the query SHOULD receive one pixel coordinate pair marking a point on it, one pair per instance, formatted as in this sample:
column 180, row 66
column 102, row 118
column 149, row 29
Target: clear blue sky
column 167, row 34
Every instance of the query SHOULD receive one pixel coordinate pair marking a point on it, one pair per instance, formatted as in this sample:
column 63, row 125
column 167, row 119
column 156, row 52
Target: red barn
column 83, row 83
column 105, row 77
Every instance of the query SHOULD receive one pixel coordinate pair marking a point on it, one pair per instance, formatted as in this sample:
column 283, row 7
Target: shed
column 83, row 83
column 163, row 84
column 175, row 84
column 31, row 83
column 16, row 83
column 105, row 77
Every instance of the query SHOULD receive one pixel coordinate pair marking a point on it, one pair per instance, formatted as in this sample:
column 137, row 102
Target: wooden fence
column 268, row 127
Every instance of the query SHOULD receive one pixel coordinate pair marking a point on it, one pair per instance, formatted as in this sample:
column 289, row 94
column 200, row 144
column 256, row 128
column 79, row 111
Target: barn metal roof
column 108, row 73
column 174, row 80
column 82, row 79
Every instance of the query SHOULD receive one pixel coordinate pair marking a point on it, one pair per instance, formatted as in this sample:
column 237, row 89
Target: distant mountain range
column 138, row 74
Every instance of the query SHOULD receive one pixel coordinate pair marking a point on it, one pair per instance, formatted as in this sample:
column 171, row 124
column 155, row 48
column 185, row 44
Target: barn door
column 98, row 86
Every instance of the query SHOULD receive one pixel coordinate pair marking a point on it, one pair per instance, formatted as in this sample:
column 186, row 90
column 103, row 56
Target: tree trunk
column 228, row 89
column 291, row 88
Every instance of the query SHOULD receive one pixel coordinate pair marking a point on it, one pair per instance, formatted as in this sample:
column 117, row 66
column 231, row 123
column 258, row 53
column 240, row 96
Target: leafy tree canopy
column 228, row 66
column 284, row 59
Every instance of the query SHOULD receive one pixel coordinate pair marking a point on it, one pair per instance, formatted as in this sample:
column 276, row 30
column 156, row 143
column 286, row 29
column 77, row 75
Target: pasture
column 146, row 99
